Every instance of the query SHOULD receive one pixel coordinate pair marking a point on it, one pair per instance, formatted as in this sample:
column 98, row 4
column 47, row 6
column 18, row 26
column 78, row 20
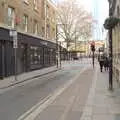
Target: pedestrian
column 106, row 63
column 101, row 62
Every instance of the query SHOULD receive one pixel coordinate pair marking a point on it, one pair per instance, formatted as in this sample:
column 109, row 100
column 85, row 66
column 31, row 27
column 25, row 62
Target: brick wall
column 33, row 14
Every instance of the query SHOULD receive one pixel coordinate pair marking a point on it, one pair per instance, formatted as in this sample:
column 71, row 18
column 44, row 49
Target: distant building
column 84, row 46
column 99, row 44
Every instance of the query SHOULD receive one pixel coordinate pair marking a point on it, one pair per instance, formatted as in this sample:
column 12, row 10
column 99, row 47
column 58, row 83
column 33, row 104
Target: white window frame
column 35, row 27
column 48, row 31
column 11, row 16
column 35, row 4
column 26, row 1
column 47, row 13
column 26, row 23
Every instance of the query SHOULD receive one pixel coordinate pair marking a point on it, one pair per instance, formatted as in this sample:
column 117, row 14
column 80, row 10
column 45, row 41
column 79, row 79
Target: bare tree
column 74, row 21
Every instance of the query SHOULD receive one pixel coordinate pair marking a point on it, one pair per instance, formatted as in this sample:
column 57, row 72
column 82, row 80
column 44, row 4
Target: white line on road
column 39, row 107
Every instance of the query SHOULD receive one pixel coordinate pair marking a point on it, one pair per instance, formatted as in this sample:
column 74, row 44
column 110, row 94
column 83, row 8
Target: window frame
column 35, row 4
column 25, row 22
column 11, row 16
column 35, row 27
column 26, row 2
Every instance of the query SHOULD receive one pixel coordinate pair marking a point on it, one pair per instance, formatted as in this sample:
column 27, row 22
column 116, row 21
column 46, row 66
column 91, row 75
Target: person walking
column 101, row 62
column 106, row 63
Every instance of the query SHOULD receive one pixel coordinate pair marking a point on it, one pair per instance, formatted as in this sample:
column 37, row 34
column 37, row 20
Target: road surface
column 18, row 100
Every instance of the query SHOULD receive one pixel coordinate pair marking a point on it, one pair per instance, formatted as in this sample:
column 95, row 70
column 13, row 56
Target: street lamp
column 58, row 47
column 58, row 44
column 110, row 55
column 13, row 34
column 93, row 51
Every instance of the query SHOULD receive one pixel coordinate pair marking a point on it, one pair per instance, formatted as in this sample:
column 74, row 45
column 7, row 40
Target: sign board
column 15, row 42
column 13, row 33
column 44, row 43
column 101, row 49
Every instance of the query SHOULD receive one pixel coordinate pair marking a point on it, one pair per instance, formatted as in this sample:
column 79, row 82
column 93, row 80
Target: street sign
column 13, row 33
column 15, row 42
column 101, row 49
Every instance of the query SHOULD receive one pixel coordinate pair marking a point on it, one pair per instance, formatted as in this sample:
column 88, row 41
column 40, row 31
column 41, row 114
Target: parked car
column 75, row 58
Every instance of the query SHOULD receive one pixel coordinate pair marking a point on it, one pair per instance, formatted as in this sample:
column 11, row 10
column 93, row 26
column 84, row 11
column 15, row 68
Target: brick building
column 35, row 23
column 30, row 16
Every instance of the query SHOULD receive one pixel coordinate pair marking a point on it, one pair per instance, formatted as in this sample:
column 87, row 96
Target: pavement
column 86, row 98
column 11, row 81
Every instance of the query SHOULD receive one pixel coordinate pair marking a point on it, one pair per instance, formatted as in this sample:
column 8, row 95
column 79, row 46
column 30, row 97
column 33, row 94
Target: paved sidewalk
column 106, row 104
column 87, row 98
column 10, row 81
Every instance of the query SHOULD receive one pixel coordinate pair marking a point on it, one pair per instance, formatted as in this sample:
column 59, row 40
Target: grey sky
column 99, row 10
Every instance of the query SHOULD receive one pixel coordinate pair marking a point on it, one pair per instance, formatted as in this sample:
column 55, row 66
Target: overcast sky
column 99, row 10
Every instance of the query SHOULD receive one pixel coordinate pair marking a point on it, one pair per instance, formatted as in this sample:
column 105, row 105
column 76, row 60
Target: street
column 59, row 60
column 18, row 100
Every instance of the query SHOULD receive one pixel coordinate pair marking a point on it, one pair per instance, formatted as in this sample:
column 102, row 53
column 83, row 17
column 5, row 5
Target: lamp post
column 60, row 53
column 58, row 47
column 110, row 54
column 110, row 61
column 58, row 44
column 93, row 51
column 13, row 34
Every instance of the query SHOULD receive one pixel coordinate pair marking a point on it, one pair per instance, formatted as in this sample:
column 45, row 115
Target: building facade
column 36, row 43
column 29, row 16
column 50, row 21
column 114, row 10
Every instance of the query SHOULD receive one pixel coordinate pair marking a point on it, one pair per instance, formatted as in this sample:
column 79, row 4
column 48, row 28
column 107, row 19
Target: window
column 48, row 31
column 36, row 4
column 25, row 23
column 11, row 17
column 43, row 31
column 26, row 1
column 35, row 55
column 47, row 11
column 118, row 11
column 35, row 27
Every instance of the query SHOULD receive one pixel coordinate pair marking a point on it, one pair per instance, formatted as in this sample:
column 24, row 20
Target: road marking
column 39, row 107
column 87, row 111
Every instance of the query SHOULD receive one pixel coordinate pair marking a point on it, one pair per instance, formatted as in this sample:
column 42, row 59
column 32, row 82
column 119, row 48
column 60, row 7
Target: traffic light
column 92, row 47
